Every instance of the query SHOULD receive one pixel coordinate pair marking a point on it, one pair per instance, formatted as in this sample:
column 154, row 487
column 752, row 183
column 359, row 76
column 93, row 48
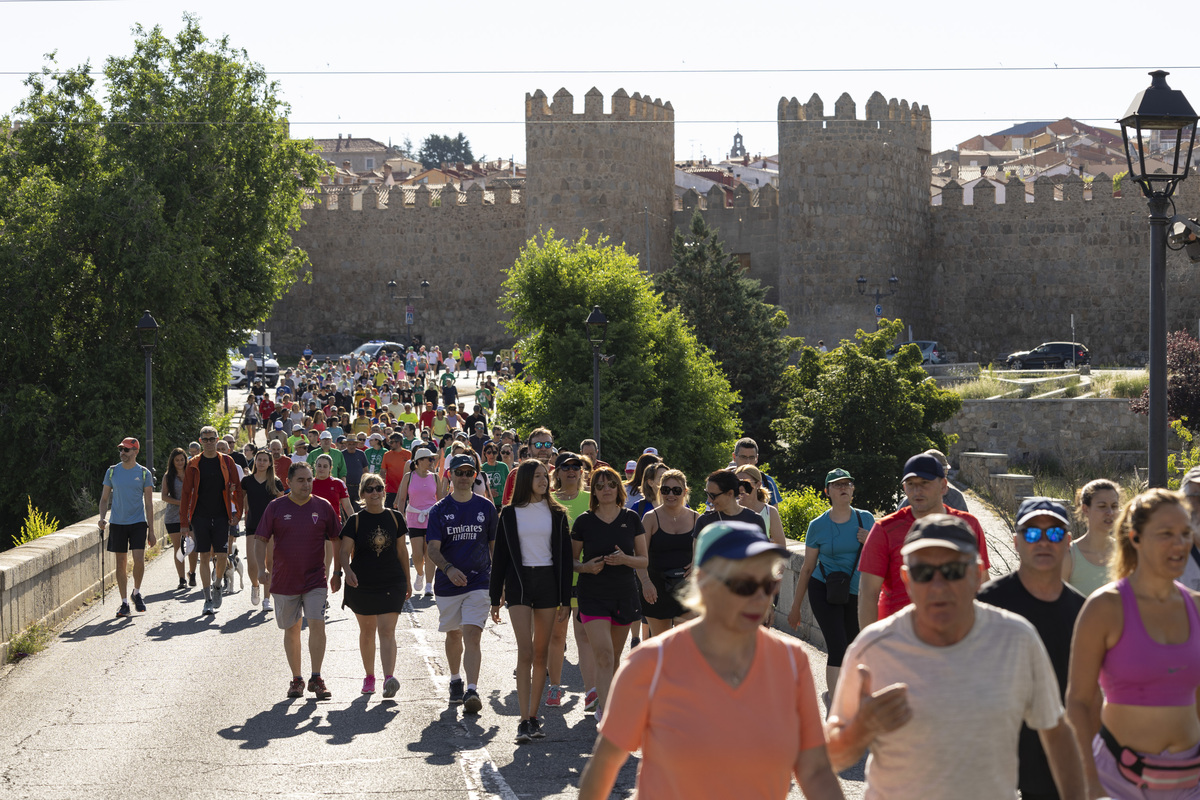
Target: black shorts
column 623, row 611
column 123, row 538
column 536, row 587
column 416, row 533
column 172, row 527
column 211, row 534
column 369, row 603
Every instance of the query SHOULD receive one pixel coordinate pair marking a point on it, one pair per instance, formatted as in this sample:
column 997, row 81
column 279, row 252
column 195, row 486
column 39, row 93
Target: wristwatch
column 337, row 574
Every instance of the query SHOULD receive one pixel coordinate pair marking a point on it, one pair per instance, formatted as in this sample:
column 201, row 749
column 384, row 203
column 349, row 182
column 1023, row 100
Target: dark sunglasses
column 464, row 473
column 951, row 571
column 714, row 495
column 746, row 587
column 569, row 468
column 124, row 449
column 745, row 487
column 1033, row 534
column 675, row 490
column 506, row 452
column 372, row 489
column 541, row 445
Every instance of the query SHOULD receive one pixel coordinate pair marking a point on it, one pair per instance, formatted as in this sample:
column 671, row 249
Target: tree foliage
column 177, row 195
column 1183, row 380
column 437, row 150
column 731, row 318
column 854, row 408
column 662, row 390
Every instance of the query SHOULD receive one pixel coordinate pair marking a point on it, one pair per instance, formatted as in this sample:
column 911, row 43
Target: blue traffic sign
column 878, row 310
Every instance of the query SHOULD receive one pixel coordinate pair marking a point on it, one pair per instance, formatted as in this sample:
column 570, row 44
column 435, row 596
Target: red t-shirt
column 427, row 418
column 332, row 490
column 881, row 555
column 282, row 465
column 299, row 532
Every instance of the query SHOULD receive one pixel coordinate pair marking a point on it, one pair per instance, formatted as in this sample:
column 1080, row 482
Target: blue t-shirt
column 838, row 543
column 464, row 530
column 128, row 504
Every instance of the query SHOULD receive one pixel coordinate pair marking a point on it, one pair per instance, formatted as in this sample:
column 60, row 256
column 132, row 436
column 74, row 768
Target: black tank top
column 669, row 551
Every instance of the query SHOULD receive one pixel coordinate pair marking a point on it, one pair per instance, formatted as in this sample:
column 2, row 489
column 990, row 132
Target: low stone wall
column 1058, row 428
column 47, row 580
column 809, row 630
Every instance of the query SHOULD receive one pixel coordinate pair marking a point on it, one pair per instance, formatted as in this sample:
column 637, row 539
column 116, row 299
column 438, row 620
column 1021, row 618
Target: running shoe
column 139, row 603
column 192, row 579
column 535, row 728
column 457, row 692
column 554, row 696
column 183, row 584
column 429, row 593
column 590, row 701
column 216, row 598
column 254, row 595
column 267, row 604
column 208, row 608
column 124, row 611
column 296, row 688
column 471, row 702
column 524, row 736
column 316, row 685
column 369, row 685
column 391, row 686
column 634, row 642
column 418, row 584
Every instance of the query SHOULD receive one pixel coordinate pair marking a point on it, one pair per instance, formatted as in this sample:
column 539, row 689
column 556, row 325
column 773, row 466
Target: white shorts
column 289, row 606
column 457, row 610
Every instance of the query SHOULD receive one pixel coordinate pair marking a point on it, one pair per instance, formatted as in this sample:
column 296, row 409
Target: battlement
column 623, row 107
column 743, row 198
column 1044, row 191
column 412, row 198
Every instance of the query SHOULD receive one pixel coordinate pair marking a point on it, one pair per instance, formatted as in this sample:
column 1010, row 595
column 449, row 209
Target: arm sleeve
column 874, row 559
column 349, row 528
column 500, row 560
column 628, row 709
column 433, row 529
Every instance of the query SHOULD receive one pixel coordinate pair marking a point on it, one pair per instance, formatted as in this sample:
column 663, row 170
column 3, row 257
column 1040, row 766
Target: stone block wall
column 749, row 227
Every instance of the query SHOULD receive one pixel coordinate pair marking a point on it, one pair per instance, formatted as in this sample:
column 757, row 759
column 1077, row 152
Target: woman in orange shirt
column 721, row 672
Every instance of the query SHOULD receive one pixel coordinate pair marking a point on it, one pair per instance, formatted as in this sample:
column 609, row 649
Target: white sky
column 795, row 48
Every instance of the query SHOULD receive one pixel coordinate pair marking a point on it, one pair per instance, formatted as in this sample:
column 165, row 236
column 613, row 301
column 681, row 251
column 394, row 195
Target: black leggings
column 839, row 624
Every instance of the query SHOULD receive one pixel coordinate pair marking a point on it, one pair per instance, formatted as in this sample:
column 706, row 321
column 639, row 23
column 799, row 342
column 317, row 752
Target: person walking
column 531, row 573
column 376, row 567
column 129, row 493
column 722, row 671
column 419, row 492
column 567, row 485
column 829, row 577
column 211, row 503
column 495, row 471
column 300, row 524
column 1086, row 565
column 260, row 487
column 670, row 534
column 461, row 535
column 172, row 490
column 723, row 490
column 1135, row 661
column 755, row 497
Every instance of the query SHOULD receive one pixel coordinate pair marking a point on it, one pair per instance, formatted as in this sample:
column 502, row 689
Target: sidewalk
column 1001, row 552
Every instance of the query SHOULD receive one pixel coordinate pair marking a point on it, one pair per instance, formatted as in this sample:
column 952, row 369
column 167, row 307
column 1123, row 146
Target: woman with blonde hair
column 1096, row 505
column 670, row 531
column 1137, row 640
column 755, row 497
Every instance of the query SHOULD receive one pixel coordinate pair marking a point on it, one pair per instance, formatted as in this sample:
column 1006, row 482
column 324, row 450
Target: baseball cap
column 375, row 436
column 462, row 460
column 940, row 530
column 1192, row 476
column 923, row 466
column 297, row 427
column 131, row 443
column 422, row 452
column 278, row 424
column 1036, row 506
column 733, row 540
column 651, row 450
column 326, row 435
column 837, row 475
column 630, row 466
column 340, row 439
column 567, row 457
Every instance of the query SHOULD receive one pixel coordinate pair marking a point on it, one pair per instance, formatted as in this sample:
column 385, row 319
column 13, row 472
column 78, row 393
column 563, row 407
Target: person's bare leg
column 558, row 651
column 472, row 657
column 252, row 561
column 386, row 623
column 454, row 651
column 316, row 643
column 205, row 569
column 587, row 661
column 658, row 626
column 291, row 646
column 122, row 565
column 600, row 639
column 139, row 569
column 176, row 543
column 521, row 618
column 543, row 625
column 366, row 642
column 220, row 562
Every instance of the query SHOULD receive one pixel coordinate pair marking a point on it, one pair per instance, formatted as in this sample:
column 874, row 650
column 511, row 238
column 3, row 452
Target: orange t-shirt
column 394, row 461
column 761, row 731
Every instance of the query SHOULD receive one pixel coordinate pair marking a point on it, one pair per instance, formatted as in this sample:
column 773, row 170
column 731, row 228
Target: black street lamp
column 893, row 287
column 147, row 330
column 409, row 311
column 1165, row 110
column 597, row 327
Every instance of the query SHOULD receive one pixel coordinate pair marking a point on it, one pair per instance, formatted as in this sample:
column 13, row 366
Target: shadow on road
column 246, row 621
column 446, row 735
column 274, row 723
column 167, row 629
column 359, row 718
column 102, row 628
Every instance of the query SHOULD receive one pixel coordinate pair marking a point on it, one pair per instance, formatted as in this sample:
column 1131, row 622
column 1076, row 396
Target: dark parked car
column 1050, row 355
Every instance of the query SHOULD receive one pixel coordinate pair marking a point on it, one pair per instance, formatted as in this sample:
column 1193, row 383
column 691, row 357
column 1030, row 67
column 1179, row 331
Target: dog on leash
column 234, row 566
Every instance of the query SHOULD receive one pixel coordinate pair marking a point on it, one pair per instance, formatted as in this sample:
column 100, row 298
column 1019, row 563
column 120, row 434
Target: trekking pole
column 100, row 559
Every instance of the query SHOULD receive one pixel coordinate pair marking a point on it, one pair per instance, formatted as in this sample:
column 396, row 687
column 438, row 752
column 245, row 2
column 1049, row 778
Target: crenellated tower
column 853, row 200
column 612, row 174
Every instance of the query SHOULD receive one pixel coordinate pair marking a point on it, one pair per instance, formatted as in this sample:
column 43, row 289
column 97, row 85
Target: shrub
column 29, row 641
column 798, row 508
column 36, row 525
column 1183, row 379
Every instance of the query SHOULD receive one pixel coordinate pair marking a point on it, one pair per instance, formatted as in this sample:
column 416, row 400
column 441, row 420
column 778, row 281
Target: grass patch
column 1127, row 384
column 982, row 388
column 29, row 641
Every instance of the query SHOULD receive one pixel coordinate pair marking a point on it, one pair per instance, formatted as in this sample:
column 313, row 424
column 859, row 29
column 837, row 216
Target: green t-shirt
column 339, row 462
column 497, row 474
column 574, row 509
column 484, row 398
column 375, row 459
column 447, row 380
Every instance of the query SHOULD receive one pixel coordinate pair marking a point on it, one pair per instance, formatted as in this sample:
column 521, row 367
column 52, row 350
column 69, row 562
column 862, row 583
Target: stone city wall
column 750, row 228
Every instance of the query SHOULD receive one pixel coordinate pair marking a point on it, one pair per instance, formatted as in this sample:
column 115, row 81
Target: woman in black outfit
column 376, row 567
column 260, row 487
column 671, row 530
column 531, row 569
column 722, row 491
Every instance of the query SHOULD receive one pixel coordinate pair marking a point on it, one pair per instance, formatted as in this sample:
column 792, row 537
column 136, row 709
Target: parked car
column 268, row 367
column 373, row 348
column 931, row 352
column 1050, row 355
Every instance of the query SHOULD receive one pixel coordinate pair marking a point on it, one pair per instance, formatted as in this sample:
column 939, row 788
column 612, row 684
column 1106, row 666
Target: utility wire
column 701, row 71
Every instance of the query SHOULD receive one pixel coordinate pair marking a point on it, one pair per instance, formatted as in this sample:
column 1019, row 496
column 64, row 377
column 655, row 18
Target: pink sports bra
column 1139, row 671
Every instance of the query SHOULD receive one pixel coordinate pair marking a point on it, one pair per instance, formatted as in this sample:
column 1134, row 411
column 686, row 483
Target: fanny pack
column 674, row 574
column 837, row 584
column 1152, row 772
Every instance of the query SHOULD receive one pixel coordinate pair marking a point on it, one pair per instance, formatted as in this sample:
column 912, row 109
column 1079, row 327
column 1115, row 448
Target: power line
column 548, row 121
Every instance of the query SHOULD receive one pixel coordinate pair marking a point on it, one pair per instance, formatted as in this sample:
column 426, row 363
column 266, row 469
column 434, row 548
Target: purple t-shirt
column 464, row 531
column 299, row 532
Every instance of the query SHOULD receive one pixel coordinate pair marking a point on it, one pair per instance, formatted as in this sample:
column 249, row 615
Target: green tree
column 731, row 318
column 662, row 390
column 177, row 195
column 437, row 150
column 855, row 408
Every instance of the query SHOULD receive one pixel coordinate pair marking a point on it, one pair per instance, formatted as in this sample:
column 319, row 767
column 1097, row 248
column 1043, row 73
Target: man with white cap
column 960, row 677
column 130, row 488
column 277, row 433
column 325, row 447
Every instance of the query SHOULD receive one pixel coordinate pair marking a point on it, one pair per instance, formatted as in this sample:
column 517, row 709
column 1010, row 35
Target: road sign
column 408, row 317
column 878, row 310
column 410, row 310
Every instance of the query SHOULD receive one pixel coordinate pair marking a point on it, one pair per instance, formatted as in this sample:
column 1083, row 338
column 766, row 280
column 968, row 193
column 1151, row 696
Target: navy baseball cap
column 462, row 460
column 940, row 530
column 733, row 540
column 923, row 466
column 1036, row 506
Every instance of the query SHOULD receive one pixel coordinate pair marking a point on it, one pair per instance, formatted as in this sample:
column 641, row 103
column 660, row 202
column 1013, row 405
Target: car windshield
column 255, row 350
column 366, row 349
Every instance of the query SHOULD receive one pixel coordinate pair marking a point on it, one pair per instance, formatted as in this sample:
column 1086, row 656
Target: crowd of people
column 1075, row 676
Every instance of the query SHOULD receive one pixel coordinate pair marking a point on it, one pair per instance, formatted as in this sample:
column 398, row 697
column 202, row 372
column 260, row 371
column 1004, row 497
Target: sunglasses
column 605, row 485
column 1032, row 534
column 746, row 587
column 541, row 445
column 464, row 473
column 951, row 571
column 745, row 487
column 208, row 438
column 506, row 452
column 714, row 495
column 675, row 490
column 371, row 489
column 124, row 449
column 569, row 468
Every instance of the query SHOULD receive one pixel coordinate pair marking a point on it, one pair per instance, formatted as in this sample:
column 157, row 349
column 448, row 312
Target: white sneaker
column 418, row 584
column 254, row 595
column 267, row 603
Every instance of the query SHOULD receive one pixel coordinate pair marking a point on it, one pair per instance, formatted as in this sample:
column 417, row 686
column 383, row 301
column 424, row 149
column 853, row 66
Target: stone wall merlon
column 373, row 198
column 624, row 107
column 877, row 109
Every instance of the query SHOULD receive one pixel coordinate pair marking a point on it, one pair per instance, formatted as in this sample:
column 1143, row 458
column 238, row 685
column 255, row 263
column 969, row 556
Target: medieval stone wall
column 749, row 228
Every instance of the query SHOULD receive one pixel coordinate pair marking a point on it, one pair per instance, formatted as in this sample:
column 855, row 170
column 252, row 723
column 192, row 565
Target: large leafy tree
column 731, row 318
column 662, row 389
column 177, row 195
column 857, row 409
column 437, row 150
column 1183, row 381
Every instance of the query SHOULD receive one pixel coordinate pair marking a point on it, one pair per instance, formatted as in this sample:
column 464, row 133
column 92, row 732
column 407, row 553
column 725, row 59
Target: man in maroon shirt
column 881, row 592
column 300, row 524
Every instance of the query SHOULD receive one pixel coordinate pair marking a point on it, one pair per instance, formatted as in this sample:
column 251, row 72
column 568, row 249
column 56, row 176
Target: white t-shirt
column 533, row 529
column 481, row 364
column 450, row 363
column 968, row 701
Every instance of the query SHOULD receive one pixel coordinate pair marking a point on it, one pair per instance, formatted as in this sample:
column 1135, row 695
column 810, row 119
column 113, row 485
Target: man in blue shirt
column 460, row 538
column 129, row 489
column 746, row 452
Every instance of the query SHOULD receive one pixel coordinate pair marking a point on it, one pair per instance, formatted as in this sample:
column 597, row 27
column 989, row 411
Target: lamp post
column 147, row 330
column 893, row 287
column 1158, row 108
column 597, row 325
column 409, row 311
